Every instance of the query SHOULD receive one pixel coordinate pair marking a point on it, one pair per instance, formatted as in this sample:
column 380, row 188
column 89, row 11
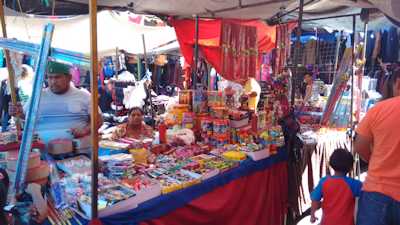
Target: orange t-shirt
column 382, row 125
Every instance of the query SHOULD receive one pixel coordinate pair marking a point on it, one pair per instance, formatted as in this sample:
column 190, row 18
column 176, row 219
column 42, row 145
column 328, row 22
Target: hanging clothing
column 5, row 99
column 378, row 45
column 371, row 41
column 239, row 51
column 2, row 60
column 105, row 99
column 310, row 52
column 390, row 45
column 76, row 76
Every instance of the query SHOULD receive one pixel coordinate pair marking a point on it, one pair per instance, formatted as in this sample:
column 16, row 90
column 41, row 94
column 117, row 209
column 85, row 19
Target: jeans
column 378, row 209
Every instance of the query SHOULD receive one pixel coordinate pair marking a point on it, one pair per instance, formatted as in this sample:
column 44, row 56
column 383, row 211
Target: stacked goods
column 38, row 170
column 117, row 166
column 76, row 165
column 60, row 146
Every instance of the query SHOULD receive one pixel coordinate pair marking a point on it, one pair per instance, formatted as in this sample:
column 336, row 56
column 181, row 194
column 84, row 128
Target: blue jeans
column 377, row 209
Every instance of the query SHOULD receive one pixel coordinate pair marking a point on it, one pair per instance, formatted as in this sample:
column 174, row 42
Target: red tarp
column 210, row 39
column 260, row 198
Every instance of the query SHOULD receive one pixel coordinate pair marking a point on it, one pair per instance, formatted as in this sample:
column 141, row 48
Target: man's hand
column 80, row 132
column 15, row 110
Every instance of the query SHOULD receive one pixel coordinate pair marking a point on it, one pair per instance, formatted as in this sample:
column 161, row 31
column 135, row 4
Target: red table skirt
column 257, row 199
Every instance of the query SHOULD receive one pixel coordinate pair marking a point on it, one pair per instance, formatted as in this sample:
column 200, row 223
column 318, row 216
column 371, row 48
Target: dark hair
column 136, row 109
column 341, row 160
column 390, row 80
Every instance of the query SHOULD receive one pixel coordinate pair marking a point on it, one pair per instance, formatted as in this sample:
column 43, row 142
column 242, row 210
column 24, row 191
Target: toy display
column 203, row 135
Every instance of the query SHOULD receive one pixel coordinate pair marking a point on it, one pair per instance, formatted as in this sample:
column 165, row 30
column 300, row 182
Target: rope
column 23, row 19
column 54, row 7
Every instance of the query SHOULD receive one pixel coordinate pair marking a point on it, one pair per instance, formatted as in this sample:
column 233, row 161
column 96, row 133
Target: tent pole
column 146, row 66
column 94, row 109
column 352, row 89
column 118, row 65
column 10, row 69
column 297, row 52
column 324, row 18
column 196, row 53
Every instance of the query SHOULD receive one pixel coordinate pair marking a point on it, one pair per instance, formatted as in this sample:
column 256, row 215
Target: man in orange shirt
column 378, row 143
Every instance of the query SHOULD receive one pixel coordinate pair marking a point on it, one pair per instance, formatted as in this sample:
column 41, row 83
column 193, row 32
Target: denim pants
column 378, row 209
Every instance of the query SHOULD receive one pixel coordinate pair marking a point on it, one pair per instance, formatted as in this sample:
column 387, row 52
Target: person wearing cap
column 64, row 110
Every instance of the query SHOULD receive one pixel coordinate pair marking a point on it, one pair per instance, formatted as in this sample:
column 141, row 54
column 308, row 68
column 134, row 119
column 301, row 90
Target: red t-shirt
column 338, row 194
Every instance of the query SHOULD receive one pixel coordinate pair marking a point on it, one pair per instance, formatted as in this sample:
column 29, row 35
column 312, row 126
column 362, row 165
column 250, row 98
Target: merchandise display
column 202, row 136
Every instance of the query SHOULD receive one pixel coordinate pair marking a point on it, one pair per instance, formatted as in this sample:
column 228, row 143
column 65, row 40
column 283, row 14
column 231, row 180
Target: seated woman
column 135, row 127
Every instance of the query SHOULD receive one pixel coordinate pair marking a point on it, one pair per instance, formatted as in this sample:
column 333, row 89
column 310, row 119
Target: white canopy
column 249, row 9
column 72, row 33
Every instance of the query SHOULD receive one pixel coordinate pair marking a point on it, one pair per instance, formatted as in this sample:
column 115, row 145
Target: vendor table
column 253, row 193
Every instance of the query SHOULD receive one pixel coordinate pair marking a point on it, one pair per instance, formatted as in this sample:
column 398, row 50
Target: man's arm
column 363, row 146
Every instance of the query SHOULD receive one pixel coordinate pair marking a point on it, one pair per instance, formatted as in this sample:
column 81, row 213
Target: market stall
column 209, row 142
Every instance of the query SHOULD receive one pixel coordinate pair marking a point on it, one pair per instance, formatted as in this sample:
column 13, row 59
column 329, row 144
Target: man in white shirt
column 64, row 110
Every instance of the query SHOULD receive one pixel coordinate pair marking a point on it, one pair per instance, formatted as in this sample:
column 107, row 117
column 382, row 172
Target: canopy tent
column 115, row 30
column 244, row 9
column 247, row 9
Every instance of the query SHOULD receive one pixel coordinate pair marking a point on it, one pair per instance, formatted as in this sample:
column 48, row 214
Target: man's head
column 341, row 160
column 59, row 77
column 395, row 81
column 135, row 116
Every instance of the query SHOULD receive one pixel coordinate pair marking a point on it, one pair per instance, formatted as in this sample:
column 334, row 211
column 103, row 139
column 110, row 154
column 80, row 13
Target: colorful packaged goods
column 244, row 135
column 178, row 111
column 220, row 126
column 221, row 165
column 238, row 118
column 230, row 97
column 200, row 101
column 79, row 164
column 185, row 97
column 188, row 120
column 215, row 98
column 234, row 155
column 220, row 140
column 8, row 138
column 117, row 166
column 220, row 112
column 206, row 125
column 139, row 155
column 261, row 120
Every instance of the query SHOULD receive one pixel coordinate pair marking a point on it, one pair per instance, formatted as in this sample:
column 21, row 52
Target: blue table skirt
column 164, row 204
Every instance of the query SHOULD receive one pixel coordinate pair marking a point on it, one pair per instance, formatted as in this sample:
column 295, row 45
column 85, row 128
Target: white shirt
column 57, row 114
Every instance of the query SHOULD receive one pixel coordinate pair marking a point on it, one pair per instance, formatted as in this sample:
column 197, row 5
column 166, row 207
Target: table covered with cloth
column 253, row 193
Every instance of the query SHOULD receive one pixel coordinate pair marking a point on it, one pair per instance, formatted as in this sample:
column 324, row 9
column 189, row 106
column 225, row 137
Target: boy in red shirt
column 338, row 192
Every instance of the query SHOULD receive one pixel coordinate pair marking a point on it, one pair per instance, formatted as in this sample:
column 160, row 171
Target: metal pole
column 94, row 109
column 146, row 66
column 352, row 78
column 196, row 53
column 363, row 68
column 11, row 75
column 360, row 87
column 324, row 18
column 352, row 90
column 297, row 50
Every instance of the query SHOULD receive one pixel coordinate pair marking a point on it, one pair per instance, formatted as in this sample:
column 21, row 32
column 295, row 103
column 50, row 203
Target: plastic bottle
column 162, row 129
